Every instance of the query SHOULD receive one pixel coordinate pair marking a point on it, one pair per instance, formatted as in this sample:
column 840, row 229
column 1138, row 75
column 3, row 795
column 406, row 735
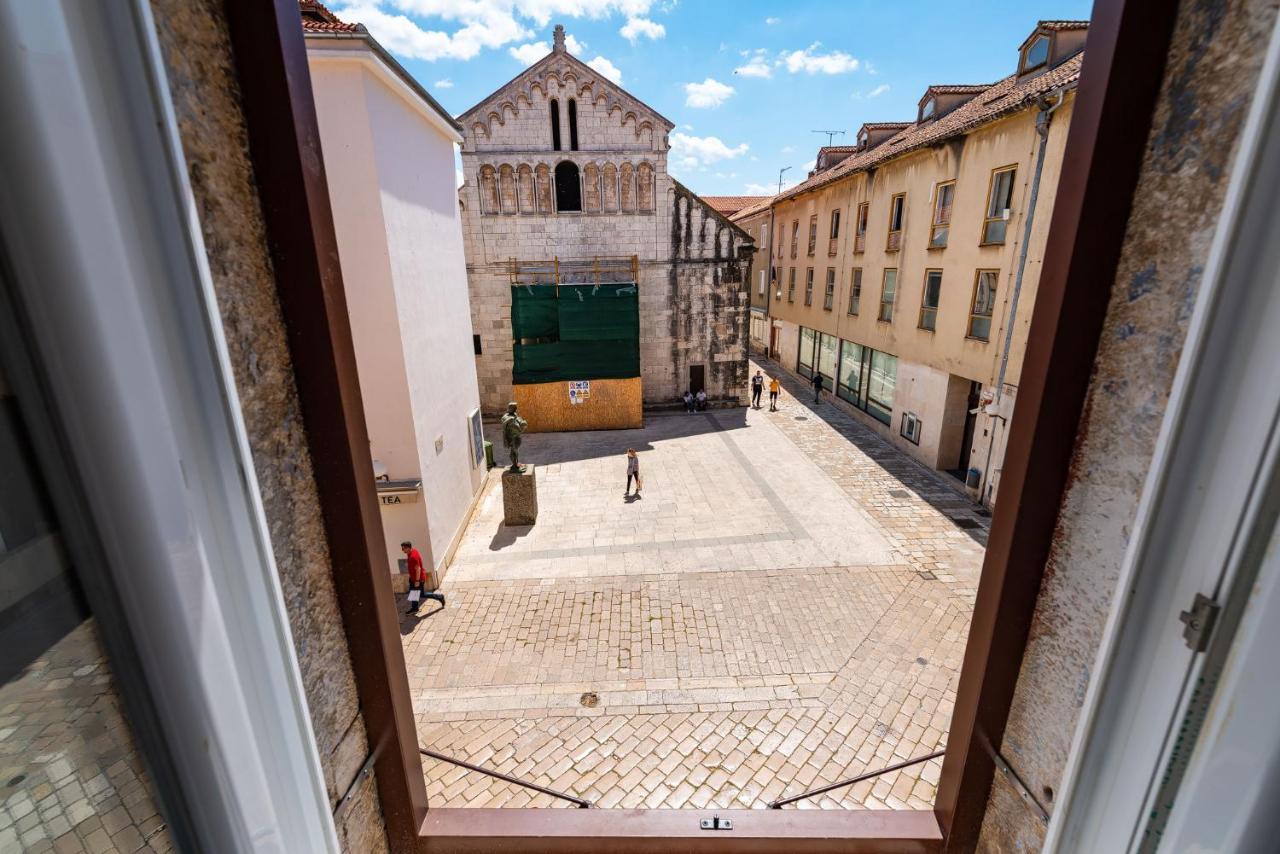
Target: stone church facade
column 565, row 181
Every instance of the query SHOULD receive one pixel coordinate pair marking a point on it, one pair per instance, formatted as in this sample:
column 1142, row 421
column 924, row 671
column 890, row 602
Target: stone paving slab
column 786, row 606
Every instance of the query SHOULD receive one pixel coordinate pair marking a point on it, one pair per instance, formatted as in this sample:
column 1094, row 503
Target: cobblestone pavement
column 786, row 606
column 71, row 779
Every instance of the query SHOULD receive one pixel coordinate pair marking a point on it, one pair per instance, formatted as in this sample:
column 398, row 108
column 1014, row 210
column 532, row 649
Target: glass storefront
column 865, row 377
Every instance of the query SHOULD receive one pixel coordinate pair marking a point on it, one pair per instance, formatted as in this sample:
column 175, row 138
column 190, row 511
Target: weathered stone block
column 520, row 497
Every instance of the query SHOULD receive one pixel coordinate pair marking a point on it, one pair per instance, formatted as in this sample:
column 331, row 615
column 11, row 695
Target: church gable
column 560, row 99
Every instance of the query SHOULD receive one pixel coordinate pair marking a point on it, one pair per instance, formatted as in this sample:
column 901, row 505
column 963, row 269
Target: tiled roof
column 751, row 210
column 316, row 18
column 1000, row 99
column 1063, row 25
column 837, row 149
column 730, row 205
column 885, row 125
column 960, row 88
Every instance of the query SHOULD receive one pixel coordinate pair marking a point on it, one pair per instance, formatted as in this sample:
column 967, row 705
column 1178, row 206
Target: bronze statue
column 512, row 426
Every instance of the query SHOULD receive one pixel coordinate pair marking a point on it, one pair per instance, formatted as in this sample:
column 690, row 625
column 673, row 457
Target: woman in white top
column 633, row 470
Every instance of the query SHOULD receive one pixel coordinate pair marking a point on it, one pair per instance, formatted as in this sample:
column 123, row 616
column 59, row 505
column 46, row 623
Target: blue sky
column 745, row 82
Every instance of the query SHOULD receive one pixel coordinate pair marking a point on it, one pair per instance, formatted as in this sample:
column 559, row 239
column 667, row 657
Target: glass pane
column 939, row 237
column 827, row 353
column 850, row 371
column 984, row 299
column 928, row 318
column 942, row 210
column 880, row 388
column 1037, row 53
column 806, row 347
column 980, row 327
column 994, row 231
column 855, row 292
column 932, row 289
column 72, row 776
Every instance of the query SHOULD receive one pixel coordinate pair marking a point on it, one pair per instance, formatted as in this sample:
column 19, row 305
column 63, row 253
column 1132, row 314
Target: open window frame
column 1128, row 43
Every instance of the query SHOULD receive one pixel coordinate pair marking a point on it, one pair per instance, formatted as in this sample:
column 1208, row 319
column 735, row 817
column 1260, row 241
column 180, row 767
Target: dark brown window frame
column 1128, row 44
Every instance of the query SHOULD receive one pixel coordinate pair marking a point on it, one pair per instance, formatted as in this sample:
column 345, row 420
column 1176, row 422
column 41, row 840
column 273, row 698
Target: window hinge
column 716, row 823
column 1199, row 622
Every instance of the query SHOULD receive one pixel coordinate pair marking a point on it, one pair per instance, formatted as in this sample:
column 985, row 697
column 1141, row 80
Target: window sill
column 798, row 831
column 931, row 247
column 926, row 329
column 977, row 340
column 991, row 243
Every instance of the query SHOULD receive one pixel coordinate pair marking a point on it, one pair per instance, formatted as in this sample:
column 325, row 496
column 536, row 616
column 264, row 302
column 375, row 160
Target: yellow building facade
column 905, row 274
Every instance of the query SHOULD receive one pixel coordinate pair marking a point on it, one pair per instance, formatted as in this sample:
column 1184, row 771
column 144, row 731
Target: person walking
column 418, row 578
column 774, row 388
column 757, row 389
column 817, row 387
column 633, row 470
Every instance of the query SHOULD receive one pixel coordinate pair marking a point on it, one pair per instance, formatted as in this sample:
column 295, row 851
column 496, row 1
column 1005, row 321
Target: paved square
column 785, row 606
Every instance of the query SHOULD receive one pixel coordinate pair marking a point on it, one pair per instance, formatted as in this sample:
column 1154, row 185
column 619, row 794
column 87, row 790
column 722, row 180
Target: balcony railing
column 860, row 243
column 833, row 246
column 895, row 241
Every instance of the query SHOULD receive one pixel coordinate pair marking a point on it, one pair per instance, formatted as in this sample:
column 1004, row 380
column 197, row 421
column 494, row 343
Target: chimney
column 559, row 38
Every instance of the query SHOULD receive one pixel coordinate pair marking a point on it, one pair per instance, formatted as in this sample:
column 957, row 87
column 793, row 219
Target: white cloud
column 443, row 84
column 771, row 21
column 693, row 152
column 811, row 62
column 757, row 64
column 753, row 189
column 634, row 28
column 709, row 93
column 606, row 69
column 878, row 91
column 787, row 149
column 471, row 25
column 809, row 166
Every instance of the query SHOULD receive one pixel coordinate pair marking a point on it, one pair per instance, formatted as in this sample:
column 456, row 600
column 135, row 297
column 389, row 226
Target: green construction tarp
column 575, row 332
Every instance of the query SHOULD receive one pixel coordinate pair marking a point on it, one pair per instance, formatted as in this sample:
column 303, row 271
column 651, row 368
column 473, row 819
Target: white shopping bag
column 415, row 595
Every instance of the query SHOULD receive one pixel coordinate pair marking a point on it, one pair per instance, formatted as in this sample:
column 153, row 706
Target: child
column 774, row 388
column 633, row 470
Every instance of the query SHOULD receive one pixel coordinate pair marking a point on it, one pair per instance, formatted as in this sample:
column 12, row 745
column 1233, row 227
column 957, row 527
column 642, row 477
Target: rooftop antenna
column 831, row 134
column 780, row 171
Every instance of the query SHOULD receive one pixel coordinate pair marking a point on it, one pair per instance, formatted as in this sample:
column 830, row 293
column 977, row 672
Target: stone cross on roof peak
column 559, row 38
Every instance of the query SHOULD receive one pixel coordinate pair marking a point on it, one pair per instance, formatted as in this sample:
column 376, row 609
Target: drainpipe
column 1043, row 120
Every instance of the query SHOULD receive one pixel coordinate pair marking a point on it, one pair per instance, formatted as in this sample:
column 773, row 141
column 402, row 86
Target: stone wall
column 206, row 99
column 693, row 273
column 1215, row 57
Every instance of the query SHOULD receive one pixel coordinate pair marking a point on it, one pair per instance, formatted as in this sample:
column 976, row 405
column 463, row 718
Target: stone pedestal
column 520, row 497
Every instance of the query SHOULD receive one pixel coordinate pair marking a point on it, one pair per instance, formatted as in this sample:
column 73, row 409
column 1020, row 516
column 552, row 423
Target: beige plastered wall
column 969, row 161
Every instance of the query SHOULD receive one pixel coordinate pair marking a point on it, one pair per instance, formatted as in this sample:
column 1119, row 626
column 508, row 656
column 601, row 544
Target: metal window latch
column 1199, row 622
column 716, row 823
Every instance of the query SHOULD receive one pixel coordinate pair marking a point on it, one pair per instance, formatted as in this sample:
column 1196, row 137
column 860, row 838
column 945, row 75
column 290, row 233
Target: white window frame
column 109, row 265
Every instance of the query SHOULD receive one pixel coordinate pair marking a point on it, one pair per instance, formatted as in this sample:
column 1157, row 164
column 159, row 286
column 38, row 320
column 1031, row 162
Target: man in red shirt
column 418, row 575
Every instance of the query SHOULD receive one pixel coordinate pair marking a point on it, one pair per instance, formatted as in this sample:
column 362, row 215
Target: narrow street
column 786, row 606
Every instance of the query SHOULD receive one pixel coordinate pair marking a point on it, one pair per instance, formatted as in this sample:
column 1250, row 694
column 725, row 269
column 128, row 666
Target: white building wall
column 392, row 185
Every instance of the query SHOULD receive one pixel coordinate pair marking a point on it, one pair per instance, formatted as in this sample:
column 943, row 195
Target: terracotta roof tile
column 886, row 125
column 730, row 205
column 751, row 210
column 959, row 88
column 1063, row 25
column 316, row 18
column 1000, row 99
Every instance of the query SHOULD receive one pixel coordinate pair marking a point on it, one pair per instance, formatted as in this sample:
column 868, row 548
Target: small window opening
column 1036, row 54
column 573, row 125
column 555, row 124
column 475, row 343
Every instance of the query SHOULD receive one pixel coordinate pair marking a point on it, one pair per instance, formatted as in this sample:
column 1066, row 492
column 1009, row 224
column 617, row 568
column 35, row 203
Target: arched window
column 555, row 124
column 573, row 125
column 568, row 187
